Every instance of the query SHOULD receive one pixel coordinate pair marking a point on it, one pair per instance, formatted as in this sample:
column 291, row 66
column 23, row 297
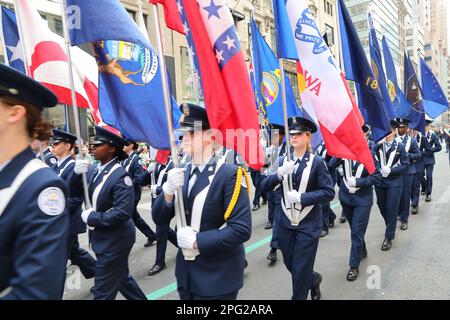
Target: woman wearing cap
column 300, row 219
column 356, row 198
column 391, row 161
column 33, row 217
column 112, row 231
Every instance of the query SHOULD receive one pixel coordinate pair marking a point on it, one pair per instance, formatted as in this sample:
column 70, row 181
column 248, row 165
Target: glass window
column 330, row 34
column 187, row 75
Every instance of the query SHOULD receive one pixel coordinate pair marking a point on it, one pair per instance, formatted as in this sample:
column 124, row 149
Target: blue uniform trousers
column 271, row 206
column 142, row 225
column 428, row 179
column 112, row 276
column 164, row 233
column 403, row 211
column 358, row 219
column 415, row 194
column 299, row 254
column 81, row 258
column 388, row 202
column 274, row 242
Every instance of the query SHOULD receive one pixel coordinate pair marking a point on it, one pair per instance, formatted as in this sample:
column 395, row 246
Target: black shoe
column 324, row 233
column 404, row 226
column 422, row 193
column 150, row 242
column 342, row 219
column 157, row 268
column 272, row 256
column 353, row 274
column 387, row 244
column 245, row 264
column 264, row 202
column 256, row 207
column 268, row 226
column 414, row 210
column 315, row 292
column 331, row 224
column 428, row 198
column 364, row 253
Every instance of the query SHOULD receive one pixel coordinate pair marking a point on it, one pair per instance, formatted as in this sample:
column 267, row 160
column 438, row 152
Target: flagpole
column 87, row 201
column 286, row 125
column 179, row 203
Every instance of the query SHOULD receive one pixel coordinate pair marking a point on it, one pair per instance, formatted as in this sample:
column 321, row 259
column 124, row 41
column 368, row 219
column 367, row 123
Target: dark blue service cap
column 62, row 136
column 429, row 121
column 402, row 122
column 193, row 118
column 365, row 128
column 300, row 125
column 17, row 85
column 274, row 126
column 394, row 124
column 103, row 136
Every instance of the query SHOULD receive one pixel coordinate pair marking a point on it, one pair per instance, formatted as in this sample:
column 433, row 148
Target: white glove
column 285, row 169
column 81, row 166
column 85, row 215
column 385, row 171
column 151, row 167
column 153, row 189
column 293, row 196
column 351, row 182
column 175, row 179
column 186, row 237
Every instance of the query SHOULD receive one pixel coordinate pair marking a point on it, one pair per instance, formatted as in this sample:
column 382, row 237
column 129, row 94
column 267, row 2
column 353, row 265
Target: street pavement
column 415, row 268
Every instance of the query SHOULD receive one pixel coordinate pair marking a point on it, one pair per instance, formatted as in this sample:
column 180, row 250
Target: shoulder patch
column 51, row 201
column 52, row 160
column 127, row 181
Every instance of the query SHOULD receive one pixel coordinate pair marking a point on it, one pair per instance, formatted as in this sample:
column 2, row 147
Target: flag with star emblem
column 435, row 101
column 172, row 10
column 11, row 40
column 229, row 98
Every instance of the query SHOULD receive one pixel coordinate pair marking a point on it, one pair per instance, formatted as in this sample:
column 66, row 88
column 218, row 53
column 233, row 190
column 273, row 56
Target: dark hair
column 37, row 127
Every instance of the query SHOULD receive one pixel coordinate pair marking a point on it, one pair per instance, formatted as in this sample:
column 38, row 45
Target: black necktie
column 196, row 173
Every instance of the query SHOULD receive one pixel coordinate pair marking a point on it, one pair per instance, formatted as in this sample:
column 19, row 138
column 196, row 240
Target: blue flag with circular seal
column 268, row 81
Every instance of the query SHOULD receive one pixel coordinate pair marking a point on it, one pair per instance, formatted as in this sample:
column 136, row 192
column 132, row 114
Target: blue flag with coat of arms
column 268, row 81
column 130, row 87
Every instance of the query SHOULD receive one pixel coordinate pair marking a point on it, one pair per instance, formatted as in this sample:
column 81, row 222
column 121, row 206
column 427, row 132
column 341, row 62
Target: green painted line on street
column 155, row 295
